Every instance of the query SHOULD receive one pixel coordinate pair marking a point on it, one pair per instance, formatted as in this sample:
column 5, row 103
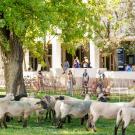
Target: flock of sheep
column 62, row 107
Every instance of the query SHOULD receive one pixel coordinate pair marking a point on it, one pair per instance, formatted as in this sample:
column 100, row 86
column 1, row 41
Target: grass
column 104, row 127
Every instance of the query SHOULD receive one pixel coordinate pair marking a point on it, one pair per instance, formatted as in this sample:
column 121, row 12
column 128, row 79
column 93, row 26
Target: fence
column 121, row 81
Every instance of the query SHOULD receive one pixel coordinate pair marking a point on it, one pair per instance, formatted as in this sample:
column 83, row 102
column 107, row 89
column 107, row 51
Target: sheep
column 33, row 101
column 18, row 109
column 124, row 116
column 105, row 110
column 5, row 98
column 51, row 100
column 75, row 107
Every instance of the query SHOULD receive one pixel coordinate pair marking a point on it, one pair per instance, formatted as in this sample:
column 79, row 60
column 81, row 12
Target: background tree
column 23, row 21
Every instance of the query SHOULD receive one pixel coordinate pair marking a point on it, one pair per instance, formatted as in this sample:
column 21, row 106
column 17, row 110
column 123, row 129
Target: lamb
column 17, row 109
column 75, row 107
column 105, row 110
column 51, row 100
column 33, row 101
column 124, row 116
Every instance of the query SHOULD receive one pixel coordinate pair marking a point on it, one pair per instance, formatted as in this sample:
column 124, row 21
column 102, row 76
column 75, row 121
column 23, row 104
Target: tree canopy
column 30, row 19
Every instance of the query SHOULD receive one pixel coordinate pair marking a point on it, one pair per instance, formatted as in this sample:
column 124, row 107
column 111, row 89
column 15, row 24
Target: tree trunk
column 13, row 67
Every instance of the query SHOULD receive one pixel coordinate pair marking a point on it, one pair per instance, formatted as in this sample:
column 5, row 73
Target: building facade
column 57, row 55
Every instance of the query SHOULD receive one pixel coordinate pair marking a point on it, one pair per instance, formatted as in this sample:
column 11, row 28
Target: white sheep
column 33, row 101
column 51, row 100
column 124, row 117
column 105, row 110
column 3, row 100
column 75, row 107
column 17, row 109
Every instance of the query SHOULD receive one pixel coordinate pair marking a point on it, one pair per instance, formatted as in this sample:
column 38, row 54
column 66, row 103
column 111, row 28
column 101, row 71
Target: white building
column 57, row 55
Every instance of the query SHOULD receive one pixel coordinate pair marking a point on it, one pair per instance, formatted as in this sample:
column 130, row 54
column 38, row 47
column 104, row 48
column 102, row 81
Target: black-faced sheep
column 124, row 117
column 105, row 110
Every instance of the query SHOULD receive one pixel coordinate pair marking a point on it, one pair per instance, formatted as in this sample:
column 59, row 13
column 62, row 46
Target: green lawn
column 104, row 127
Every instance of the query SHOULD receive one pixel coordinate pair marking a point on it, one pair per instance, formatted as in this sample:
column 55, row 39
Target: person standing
column 65, row 66
column 85, row 63
column 76, row 63
column 70, row 83
column 100, row 81
column 40, row 78
column 128, row 68
column 85, row 82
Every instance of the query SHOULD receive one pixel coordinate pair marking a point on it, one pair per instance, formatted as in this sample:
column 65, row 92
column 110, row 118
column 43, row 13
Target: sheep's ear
column 48, row 98
column 43, row 103
column 60, row 98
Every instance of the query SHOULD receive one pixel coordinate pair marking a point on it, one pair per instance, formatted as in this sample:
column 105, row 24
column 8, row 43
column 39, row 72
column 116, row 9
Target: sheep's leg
column 50, row 114
column 123, row 130
column 20, row 119
column 124, row 125
column 116, row 128
column 88, row 124
column 91, row 122
column 94, row 122
column 37, row 116
column 82, row 120
column 7, row 118
column 62, row 120
column 2, row 118
column 53, row 115
column 38, row 119
column 25, row 118
column 25, row 123
column 57, row 118
column 53, row 118
column 54, row 121
column 46, row 114
column 4, row 122
column 69, row 118
column 0, row 123
column 58, row 123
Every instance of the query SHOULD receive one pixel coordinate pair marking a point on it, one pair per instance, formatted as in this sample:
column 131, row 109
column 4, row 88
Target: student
column 85, row 81
column 70, row 83
column 76, row 63
column 65, row 66
column 40, row 78
column 128, row 68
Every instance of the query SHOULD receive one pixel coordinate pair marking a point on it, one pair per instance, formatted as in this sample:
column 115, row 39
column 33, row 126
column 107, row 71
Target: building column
column 94, row 55
column 56, row 53
column 26, row 63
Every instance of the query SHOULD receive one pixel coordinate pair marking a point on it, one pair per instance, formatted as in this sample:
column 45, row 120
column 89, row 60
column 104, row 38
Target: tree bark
column 13, row 67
